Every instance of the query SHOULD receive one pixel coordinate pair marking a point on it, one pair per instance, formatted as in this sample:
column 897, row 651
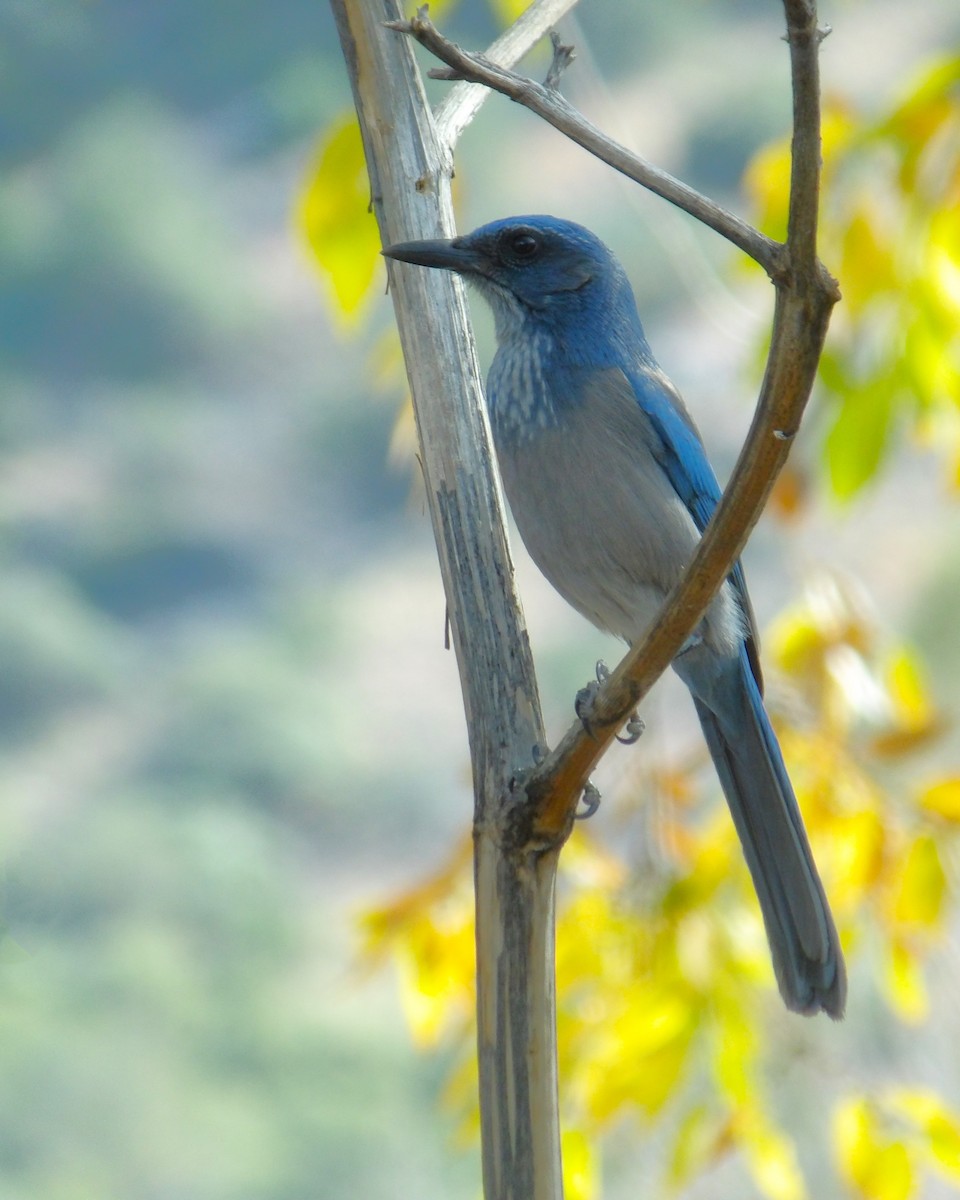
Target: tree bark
column 410, row 170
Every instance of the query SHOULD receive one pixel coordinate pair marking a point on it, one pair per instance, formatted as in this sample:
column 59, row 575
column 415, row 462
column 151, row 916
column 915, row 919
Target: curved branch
column 806, row 294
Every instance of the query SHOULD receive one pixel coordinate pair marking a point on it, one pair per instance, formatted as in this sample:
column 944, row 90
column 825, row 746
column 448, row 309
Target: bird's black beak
column 448, row 255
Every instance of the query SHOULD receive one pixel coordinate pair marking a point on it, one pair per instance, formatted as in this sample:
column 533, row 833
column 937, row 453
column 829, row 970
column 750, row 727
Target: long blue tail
column 807, row 958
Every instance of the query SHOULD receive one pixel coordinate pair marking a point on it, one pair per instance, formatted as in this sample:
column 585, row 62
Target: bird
column 611, row 489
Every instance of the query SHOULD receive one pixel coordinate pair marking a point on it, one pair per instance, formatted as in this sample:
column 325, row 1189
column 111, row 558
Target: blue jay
column 611, row 489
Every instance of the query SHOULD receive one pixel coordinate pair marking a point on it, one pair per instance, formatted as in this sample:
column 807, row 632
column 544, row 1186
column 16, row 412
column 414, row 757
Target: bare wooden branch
column 410, row 168
column 549, row 104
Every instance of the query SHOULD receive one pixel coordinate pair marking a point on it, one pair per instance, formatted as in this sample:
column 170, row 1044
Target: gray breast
column 598, row 515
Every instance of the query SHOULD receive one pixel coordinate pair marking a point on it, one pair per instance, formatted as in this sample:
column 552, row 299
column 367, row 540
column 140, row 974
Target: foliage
column 891, row 193
column 883, row 1143
column 667, row 1009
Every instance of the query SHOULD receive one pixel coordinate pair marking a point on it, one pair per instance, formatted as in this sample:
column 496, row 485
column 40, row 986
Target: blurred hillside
column 226, row 717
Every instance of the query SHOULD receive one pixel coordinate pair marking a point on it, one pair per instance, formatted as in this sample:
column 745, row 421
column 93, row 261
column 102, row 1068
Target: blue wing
column 683, row 458
column 681, row 453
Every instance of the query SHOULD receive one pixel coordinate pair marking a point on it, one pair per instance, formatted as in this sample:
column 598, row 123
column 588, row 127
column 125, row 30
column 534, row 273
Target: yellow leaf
column 915, row 720
column 944, row 1135
column 944, row 255
column 907, row 689
column 507, row 11
column 734, row 1055
column 799, row 643
column 854, row 851
column 770, row 1156
column 705, row 1136
column 905, row 984
column 334, row 216
column 581, row 1171
column 428, row 931
column 435, row 957
column 839, row 128
column 637, row 1057
column 939, row 1126
column 875, row 1166
column 767, row 183
column 927, row 112
column 942, row 798
column 920, row 885
column 866, row 264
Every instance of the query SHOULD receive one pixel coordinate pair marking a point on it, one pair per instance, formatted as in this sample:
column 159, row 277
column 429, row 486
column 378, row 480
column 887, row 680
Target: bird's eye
column 520, row 246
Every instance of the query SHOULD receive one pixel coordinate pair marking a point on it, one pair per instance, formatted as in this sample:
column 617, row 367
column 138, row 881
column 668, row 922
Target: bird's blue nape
column 611, row 490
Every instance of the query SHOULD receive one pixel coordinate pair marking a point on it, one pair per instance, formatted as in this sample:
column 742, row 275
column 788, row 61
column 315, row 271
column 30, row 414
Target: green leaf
column 857, row 442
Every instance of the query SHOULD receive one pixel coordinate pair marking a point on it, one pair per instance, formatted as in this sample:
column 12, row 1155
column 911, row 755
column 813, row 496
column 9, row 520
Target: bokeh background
column 228, row 724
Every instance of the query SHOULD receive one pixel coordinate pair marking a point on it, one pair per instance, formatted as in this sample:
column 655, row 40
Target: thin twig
column 803, row 38
column 549, row 104
column 458, row 108
column 563, row 56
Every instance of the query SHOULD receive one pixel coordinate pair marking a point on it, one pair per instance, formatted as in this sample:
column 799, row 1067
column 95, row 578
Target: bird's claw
column 634, row 730
column 584, row 703
column 591, row 801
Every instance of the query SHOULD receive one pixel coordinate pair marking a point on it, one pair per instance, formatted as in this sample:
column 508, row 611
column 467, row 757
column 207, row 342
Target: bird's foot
column 583, row 706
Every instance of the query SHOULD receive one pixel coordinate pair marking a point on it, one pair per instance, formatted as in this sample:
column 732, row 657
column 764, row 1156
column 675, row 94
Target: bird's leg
column 584, row 703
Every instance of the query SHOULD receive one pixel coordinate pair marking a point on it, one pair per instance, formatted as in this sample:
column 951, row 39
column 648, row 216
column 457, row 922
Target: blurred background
column 228, row 724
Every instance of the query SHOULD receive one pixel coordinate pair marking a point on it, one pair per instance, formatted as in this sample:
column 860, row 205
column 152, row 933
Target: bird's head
column 532, row 268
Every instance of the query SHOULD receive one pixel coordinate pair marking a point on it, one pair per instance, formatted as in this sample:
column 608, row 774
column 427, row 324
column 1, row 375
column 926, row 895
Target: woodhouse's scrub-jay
column 611, row 489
